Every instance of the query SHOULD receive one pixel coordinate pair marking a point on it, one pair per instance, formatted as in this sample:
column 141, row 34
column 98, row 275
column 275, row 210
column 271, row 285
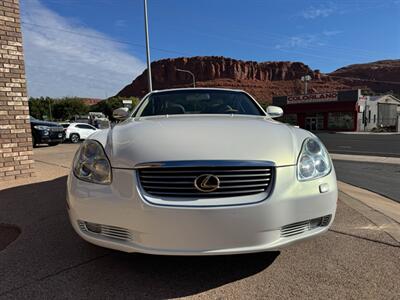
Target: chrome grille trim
column 176, row 179
column 303, row 226
column 106, row 230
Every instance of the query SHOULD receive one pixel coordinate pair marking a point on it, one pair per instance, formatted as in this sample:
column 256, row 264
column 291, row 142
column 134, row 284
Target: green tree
column 41, row 108
column 107, row 106
column 67, row 108
column 55, row 109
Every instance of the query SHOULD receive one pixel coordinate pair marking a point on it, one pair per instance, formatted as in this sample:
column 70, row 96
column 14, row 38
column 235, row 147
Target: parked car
column 44, row 132
column 79, row 131
column 201, row 172
column 64, row 125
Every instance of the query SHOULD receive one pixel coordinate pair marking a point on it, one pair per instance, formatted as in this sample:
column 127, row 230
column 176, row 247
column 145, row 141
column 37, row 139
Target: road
column 355, row 259
column 383, row 179
column 362, row 144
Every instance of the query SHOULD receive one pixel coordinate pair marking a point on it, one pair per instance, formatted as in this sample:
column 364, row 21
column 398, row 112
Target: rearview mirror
column 121, row 113
column 274, row 111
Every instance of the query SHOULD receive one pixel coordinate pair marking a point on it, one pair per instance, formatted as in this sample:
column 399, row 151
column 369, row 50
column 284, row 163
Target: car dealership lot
column 355, row 259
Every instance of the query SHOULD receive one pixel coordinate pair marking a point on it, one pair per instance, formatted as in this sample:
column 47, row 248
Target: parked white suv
column 79, row 131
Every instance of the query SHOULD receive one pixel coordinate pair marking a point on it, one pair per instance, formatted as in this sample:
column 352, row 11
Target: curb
column 367, row 158
column 383, row 212
column 367, row 133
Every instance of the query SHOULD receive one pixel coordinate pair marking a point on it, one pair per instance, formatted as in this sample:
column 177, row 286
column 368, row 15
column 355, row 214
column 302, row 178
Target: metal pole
column 187, row 71
column 305, row 87
column 50, row 114
column 146, row 27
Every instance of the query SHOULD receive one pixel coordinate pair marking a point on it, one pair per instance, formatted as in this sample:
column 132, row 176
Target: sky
column 93, row 48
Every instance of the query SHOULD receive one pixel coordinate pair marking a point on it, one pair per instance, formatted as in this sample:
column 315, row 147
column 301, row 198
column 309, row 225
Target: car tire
column 34, row 144
column 74, row 137
column 53, row 144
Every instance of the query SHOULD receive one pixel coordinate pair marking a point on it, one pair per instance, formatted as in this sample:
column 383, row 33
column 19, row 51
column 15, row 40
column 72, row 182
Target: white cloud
column 331, row 32
column 303, row 41
column 317, row 12
column 59, row 62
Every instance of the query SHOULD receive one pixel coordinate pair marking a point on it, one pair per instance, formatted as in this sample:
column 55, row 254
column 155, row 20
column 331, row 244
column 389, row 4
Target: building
column 381, row 112
column 340, row 111
column 15, row 131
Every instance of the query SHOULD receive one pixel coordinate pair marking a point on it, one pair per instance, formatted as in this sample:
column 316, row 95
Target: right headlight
column 313, row 161
column 91, row 163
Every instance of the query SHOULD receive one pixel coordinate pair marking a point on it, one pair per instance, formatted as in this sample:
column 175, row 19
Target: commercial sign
column 313, row 98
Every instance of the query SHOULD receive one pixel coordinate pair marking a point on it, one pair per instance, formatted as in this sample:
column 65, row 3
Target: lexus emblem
column 206, row 183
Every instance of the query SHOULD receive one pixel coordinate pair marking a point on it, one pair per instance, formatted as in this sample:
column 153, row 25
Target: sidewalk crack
column 365, row 238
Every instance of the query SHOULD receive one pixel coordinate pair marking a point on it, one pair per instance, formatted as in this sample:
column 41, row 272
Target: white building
column 380, row 112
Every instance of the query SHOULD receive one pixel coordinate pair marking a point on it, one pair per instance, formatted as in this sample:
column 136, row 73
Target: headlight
column 314, row 161
column 41, row 127
column 91, row 163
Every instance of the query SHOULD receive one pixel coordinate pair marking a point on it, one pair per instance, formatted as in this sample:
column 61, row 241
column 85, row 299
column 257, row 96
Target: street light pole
column 306, row 79
column 146, row 28
column 187, row 71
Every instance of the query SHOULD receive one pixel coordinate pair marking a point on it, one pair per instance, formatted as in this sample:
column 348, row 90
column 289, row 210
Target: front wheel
column 74, row 137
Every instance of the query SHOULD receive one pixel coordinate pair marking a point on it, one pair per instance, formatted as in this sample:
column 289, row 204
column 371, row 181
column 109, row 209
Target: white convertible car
column 201, row 172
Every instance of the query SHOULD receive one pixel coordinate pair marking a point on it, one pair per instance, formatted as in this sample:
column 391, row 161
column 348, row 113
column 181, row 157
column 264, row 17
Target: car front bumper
column 132, row 224
column 53, row 137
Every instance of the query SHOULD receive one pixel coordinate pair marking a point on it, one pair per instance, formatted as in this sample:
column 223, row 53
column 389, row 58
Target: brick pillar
column 15, row 131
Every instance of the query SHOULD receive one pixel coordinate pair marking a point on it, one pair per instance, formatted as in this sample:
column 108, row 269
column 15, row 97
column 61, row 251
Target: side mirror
column 274, row 111
column 121, row 113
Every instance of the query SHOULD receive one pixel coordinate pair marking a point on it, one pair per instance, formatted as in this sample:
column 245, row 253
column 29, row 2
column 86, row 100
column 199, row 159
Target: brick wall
column 15, row 132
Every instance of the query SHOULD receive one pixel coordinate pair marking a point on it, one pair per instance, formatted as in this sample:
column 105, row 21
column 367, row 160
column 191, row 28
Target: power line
column 105, row 39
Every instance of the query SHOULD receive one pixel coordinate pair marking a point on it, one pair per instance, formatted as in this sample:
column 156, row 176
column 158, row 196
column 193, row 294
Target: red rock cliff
column 263, row 80
column 215, row 69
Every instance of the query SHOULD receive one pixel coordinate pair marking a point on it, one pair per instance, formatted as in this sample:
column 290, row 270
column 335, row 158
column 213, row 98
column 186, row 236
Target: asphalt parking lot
column 354, row 259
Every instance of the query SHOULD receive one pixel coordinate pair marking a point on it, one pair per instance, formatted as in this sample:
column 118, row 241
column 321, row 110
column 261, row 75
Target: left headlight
column 41, row 127
column 313, row 161
column 91, row 163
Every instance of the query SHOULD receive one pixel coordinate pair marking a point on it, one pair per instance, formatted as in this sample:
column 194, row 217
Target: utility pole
column 187, row 71
column 146, row 28
column 306, row 79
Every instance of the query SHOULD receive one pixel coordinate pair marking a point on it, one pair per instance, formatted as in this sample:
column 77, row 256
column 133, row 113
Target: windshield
column 198, row 102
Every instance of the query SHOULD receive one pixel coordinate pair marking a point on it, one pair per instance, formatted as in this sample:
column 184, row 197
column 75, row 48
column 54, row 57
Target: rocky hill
column 387, row 72
column 262, row 79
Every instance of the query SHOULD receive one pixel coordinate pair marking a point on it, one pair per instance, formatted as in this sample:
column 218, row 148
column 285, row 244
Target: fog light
column 314, row 223
column 323, row 188
column 95, row 228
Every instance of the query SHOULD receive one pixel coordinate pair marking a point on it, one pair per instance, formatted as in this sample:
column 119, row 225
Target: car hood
column 173, row 138
column 45, row 123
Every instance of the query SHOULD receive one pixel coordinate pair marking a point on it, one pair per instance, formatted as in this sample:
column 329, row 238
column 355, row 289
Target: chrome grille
column 172, row 181
column 56, row 129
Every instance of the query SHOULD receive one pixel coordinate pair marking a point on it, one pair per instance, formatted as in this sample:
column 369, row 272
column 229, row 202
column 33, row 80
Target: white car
column 79, row 131
column 201, row 172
